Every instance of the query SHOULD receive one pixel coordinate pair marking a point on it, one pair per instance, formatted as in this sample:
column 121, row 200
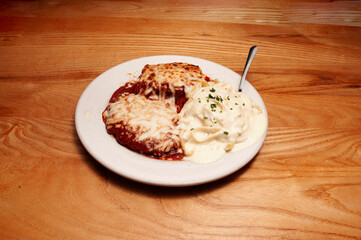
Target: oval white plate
column 105, row 149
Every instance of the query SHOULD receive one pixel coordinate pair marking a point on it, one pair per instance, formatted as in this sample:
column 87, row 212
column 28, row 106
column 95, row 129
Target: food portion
column 144, row 125
column 174, row 112
column 217, row 119
column 143, row 115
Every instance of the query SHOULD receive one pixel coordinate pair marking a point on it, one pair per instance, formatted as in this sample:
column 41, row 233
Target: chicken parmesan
column 143, row 114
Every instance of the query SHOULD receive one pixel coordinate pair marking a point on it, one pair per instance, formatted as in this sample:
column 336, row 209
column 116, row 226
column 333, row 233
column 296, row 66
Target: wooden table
column 305, row 183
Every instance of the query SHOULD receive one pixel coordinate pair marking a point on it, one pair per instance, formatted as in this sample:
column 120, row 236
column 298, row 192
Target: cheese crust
column 143, row 115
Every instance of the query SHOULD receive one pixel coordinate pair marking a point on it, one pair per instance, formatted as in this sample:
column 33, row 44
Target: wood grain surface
column 305, row 183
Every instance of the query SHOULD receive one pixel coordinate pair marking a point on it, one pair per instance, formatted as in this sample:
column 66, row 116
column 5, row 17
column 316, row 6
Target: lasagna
column 143, row 114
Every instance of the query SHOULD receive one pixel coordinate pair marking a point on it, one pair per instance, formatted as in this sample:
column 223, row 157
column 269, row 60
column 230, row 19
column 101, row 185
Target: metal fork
column 251, row 54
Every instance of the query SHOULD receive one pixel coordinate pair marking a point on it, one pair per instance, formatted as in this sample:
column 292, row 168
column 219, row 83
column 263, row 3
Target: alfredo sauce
column 217, row 119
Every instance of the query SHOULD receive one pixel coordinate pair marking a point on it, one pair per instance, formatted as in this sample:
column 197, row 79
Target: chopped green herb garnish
column 219, row 98
column 231, row 108
column 192, row 129
column 213, row 105
column 212, row 90
column 236, row 103
column 225, row 133
column 205, row 117
column 210, row 96
column 228, row 98
column 243, row 104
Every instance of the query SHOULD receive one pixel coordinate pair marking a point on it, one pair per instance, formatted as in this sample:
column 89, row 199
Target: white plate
column 105, row 149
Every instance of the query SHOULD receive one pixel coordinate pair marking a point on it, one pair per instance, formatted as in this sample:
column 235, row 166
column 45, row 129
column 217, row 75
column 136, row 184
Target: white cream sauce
column 217, row 119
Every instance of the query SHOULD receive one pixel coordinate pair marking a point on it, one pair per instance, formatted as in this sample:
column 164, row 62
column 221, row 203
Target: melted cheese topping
column 175, row 75
column 217, row 119
column 148, row 107
column 148, row 119
column 178, row 74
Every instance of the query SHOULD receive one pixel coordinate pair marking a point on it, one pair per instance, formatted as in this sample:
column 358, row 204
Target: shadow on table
column 150, row 190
